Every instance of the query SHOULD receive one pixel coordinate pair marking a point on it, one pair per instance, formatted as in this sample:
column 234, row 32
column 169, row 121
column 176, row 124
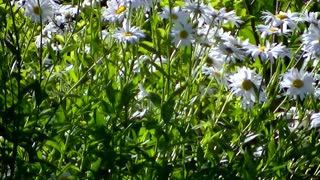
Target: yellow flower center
column 262, row 48
column 183, row 34
column 246, row 84
column 297, row 83
column 273, row 30
column 37, row 10
column 121, row 9
column 281, row 16
column 128, row 34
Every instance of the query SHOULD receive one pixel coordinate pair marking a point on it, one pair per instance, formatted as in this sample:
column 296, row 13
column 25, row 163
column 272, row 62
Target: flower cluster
column 218, row 49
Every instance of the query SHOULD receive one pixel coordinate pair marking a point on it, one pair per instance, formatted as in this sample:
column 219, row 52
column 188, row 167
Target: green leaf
column 147, row 47
column 167, row 110
column 99, row 118
column 95, row 165
column 69, row 48
column 60, row 116
column 55, row 145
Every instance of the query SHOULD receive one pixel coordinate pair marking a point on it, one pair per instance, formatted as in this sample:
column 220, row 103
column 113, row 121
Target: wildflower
column 268, row 51
column 48, row 32
column 311, row 44
column 64, row 16
column 245, row 83
column 198, row 11
column 267, row 30
column 297, row 83
column 310, row 17
column 281, row 19
column 207, row 35
column 176, row 15
column 212, row 72
column 230, row 49
column 39, row 10
column 128, row 34
column 115, row 12
column 182, row 34
column 91, row 3
column 221, row 16
column 315, row 120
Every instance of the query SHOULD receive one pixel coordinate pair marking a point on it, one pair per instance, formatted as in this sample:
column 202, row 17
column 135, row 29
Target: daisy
column 221, row 16
column 281, row 19
column 182, row 34
column 214, row 73
column 48, row 32
column 267, row 30
column 297, row 83
column 115, row 11
column 310, row 17
column 315, row 120
column 230, row 49
column 207, row 35
column 176, row 15
column 65, row 15
column 311, row 44
column 128, row 34
column 227, row 53
column 199, row 12
column 268, row 51
column 244, row 84
column 39, row 10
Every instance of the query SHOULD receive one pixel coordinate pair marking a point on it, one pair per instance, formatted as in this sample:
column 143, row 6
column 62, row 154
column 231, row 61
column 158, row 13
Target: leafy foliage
column 98, row 108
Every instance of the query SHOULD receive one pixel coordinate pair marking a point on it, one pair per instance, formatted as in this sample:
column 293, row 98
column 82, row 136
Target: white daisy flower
column 315, row 120
column 48, row 32
column 176, row 15
column 91, row 3
column 221, row 16
column 297, row 83
column 40, row 11
column 199, row 12
column 208, row 35
column 268, row 51
column 281, row 19
column 182, row 34
column 310, row 41
column 310, row 17
column 245, row 83
column 217, row 74
column 115, row 12
column 128, row 34
column 230, row 49
column 267, row 30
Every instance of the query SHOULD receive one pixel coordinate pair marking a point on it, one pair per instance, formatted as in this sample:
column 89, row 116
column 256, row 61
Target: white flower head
column 115, row 11
column 199, row 12
column 267, row 30
column 288, row 18
column 128, row 34
column 315, row 120
column 182, row 34
column 268, row 51
column 297, row 83
column 40, row 11
column 311, row 42
column 176, row 15
column 246, row 84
